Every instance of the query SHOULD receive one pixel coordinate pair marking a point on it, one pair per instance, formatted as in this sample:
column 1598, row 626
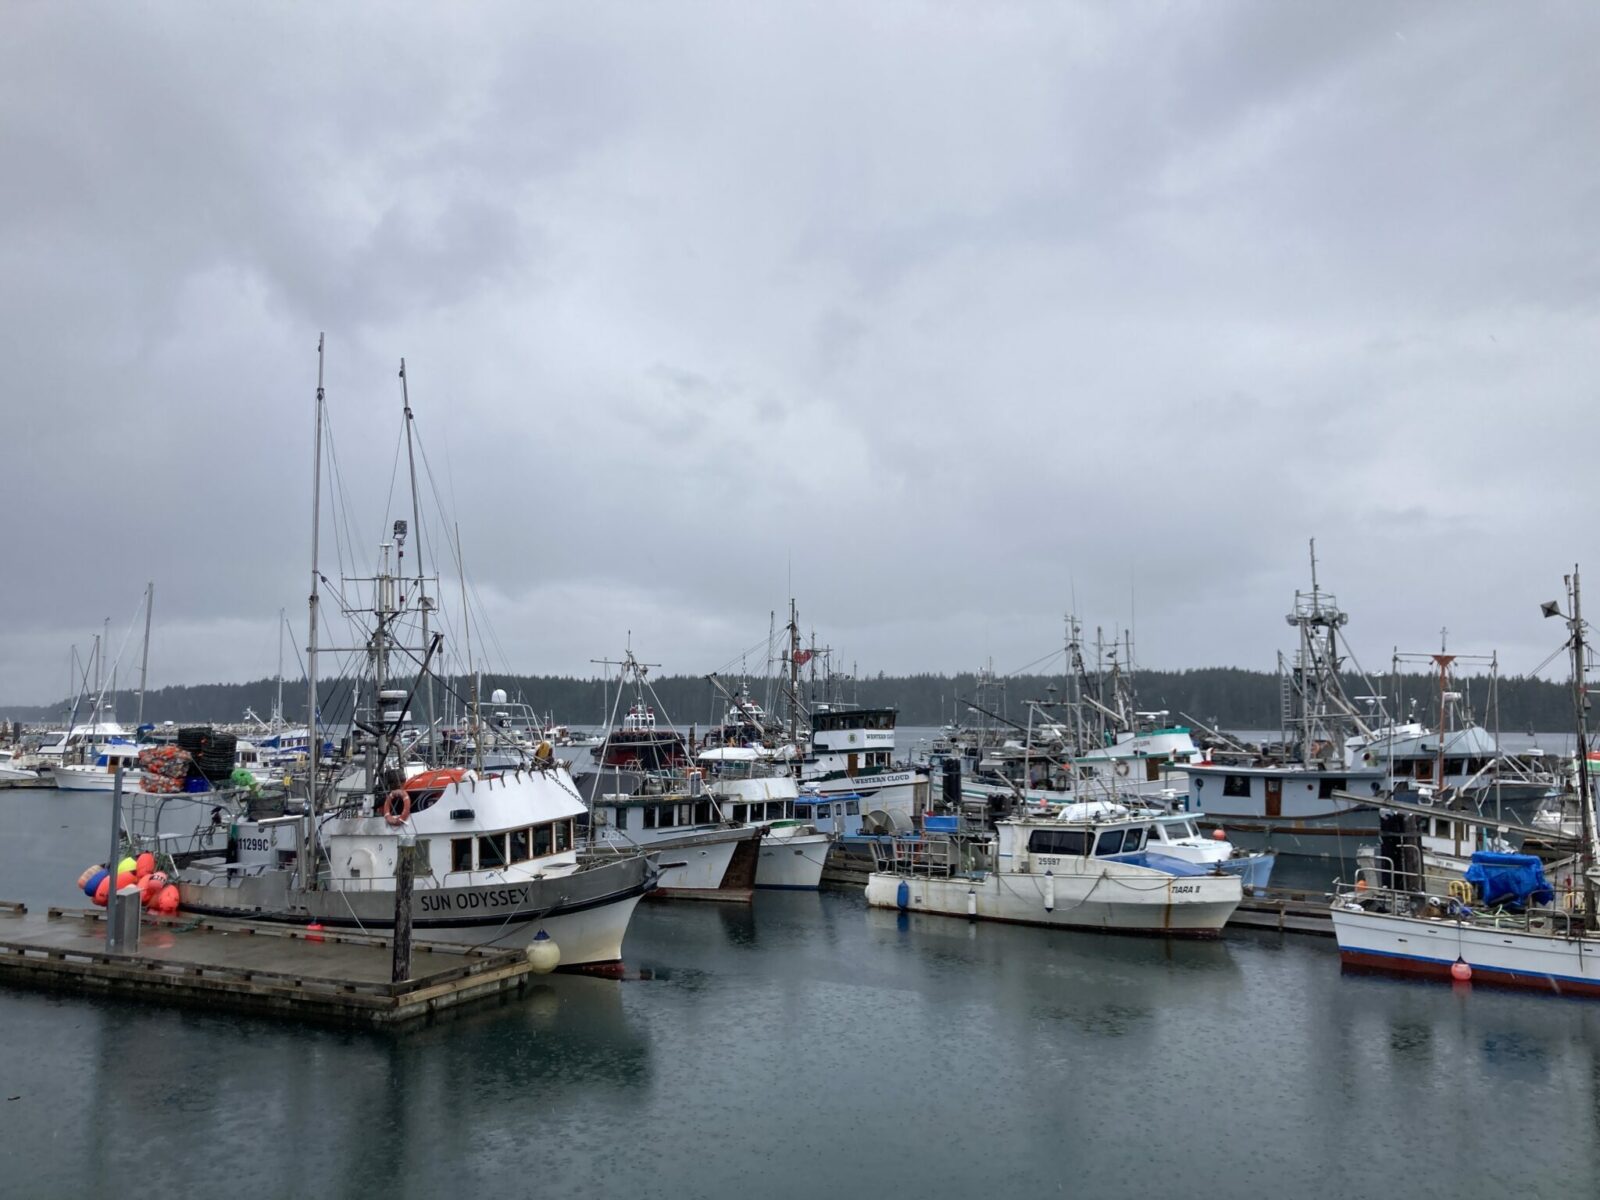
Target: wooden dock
column 255, row 967
column 1288, row 910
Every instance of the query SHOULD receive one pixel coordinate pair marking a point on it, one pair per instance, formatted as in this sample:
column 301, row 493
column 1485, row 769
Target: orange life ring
column 401, row 797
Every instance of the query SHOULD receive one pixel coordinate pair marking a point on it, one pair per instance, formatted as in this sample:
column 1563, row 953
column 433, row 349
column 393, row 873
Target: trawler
column 496, row 856
column 1503, row 922
column 1291, row 801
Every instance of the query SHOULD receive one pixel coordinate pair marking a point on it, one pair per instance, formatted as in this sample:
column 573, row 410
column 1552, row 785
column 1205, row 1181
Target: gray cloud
column 947, row 318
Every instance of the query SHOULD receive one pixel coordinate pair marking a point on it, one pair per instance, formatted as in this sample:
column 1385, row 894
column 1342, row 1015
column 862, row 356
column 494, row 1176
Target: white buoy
column 1049, row 891
column 543, row 954
column 972, row 903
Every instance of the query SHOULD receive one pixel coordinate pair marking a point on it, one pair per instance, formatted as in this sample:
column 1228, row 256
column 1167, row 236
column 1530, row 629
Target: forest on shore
column 1221, row 697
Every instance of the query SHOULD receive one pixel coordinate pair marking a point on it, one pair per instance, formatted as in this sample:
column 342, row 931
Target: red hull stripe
column 1402, row 965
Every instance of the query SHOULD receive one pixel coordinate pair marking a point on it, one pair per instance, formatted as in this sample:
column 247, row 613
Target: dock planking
column 243, row 966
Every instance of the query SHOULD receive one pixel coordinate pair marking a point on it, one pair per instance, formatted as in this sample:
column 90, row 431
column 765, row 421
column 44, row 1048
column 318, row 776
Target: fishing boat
column 1090, row 866
column 494, row 853
column 701, row 855
column 755, row 790
column 100, row 774
column 1503, row 922
column 1288, row 799
column 14, row 774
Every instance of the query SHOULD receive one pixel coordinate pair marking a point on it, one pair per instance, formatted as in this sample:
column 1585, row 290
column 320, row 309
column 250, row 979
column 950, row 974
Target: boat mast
column 794, row 677
column 144, row 658
column 466, row 633
column 1444, row 660
column 308, row 867
column 277, row 709
column 1580, row 699
column 423, row 604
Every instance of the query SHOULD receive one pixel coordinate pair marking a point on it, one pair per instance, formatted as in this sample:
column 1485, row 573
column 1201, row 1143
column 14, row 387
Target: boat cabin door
column 852, row 765
column 1274, row 797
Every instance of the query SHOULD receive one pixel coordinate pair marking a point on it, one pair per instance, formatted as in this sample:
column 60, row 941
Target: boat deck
column 329, row 977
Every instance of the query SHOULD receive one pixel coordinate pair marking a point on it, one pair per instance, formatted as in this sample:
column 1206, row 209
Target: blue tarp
column 1509, row 879
column 1162, row 862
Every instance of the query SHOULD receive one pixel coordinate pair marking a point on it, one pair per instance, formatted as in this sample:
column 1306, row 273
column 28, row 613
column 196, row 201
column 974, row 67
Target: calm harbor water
column 808, row 1046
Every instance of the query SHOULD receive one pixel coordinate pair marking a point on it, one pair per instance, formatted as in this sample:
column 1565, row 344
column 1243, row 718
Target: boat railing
column 927, row 857
column 1563, row 918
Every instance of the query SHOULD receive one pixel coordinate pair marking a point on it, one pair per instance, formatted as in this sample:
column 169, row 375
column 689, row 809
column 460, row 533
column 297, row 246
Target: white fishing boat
column 754, row 790
column 1091, row 866
column 493, row 855
column 10, row 773
column 1287, row 800
column 700, row 854
column 100, row 774
column 1502, row 922
column 852, row 754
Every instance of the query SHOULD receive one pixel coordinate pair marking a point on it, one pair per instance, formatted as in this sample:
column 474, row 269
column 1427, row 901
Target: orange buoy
column 1460, row 971
column 314, row 931
column 144, row 864
column 1220, row 835
column 101, row 892
column 166, row 901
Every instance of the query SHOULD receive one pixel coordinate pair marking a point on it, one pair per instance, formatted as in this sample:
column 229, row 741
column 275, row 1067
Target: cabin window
column 1454, row 766
column 521, row 845
column 541, row 840
column 803, row 811
column 1328, row 785
column 1110, row 843
column 741, row 813
column 491, row 851
column 852, row 807
column 1236, row 785
column 1058, row 841
column 563, row 836
column 1132, row 840
column 621, row 817
column 461, row 854
column 702, row 812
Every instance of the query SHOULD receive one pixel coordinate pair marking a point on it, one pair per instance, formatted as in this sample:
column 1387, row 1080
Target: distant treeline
column 1226, row 697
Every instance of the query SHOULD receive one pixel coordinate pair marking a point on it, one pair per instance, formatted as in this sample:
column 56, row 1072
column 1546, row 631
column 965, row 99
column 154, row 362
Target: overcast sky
column 949, row 317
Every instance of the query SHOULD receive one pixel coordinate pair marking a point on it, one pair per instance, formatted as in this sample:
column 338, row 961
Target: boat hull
column 696, row 868
column 586, row 913
column 1144, row 903
column 92, row 779
column 1504, row 956
column 792, row 863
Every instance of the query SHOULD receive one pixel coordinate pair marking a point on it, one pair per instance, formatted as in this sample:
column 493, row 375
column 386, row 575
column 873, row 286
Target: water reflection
column 807, row 1045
